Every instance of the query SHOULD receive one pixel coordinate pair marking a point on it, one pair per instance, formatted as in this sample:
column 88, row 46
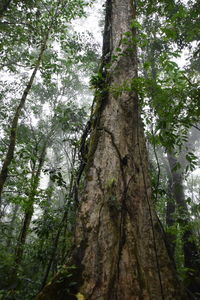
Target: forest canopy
column 60, row 115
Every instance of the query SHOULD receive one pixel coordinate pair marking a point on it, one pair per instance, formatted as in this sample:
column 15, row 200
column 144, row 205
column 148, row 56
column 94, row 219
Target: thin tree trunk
column 190, row 249
column 28, row 213
column 12, row 223
column 22, row 237
column 170, row 220
column 13, row 132
column 120, row 252
column 4, row 6
column 53, row 253
column 62, row 224
column 170, row 212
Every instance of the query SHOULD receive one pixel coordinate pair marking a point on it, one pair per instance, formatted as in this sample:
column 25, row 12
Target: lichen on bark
column 126, row 257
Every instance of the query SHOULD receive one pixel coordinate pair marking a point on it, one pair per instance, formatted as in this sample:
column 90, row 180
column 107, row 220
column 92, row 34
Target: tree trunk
column 12, row 226
column 63, row 225
column 28, row 213
column 190, row 249
column 4, row 6
column 170, row 212
column 22, row 236
column 13, row 131
column 120, row 252
column 54, row 249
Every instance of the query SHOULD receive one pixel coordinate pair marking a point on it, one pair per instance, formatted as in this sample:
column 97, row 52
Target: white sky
column 91, row 23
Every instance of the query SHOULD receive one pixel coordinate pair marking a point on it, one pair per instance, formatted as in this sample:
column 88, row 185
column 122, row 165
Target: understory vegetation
column 50, row 69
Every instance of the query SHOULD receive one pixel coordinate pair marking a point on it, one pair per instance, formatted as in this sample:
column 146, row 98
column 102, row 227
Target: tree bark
column 120, row 251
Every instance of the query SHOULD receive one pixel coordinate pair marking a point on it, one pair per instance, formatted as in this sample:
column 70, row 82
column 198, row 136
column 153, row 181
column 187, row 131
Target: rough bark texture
column 120, row 250
column 124, row 256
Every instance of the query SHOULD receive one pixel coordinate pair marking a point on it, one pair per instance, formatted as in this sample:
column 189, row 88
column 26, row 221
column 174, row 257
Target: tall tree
column 190, row 248
column 13, row 131
column 120, row 251
column 162, row 75
column 52, row 18
column 36, row 172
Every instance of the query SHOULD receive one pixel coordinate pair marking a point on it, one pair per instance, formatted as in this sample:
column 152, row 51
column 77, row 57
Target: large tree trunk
column 120, row 250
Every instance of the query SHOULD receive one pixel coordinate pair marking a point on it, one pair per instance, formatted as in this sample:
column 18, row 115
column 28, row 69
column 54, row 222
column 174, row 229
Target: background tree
column 170, row 94
column 51, row 21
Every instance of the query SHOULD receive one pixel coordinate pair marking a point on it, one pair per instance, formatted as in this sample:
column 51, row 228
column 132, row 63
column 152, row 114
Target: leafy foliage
column 43, row 176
